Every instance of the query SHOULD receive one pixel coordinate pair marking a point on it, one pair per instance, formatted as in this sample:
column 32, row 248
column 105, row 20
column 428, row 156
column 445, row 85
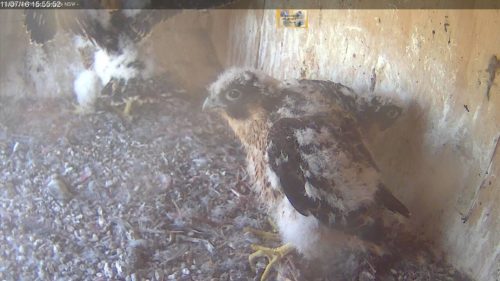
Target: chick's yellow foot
column 273, row 255
column 81, row 110
column 128, row 108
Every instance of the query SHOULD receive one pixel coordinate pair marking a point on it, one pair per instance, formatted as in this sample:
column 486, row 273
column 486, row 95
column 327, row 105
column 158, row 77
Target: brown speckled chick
column 308, row 162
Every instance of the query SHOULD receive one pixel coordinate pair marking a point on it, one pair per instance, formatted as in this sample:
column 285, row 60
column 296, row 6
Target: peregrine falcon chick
column 308, row 161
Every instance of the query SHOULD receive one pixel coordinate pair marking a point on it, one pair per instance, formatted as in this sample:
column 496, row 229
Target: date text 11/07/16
column 30, row 4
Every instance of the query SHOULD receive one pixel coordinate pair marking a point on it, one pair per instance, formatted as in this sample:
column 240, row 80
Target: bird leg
column 128, row 107
column 272, row 254
column 264, row 235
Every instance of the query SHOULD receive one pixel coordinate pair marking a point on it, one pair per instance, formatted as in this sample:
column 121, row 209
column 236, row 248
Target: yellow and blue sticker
column 291, row 18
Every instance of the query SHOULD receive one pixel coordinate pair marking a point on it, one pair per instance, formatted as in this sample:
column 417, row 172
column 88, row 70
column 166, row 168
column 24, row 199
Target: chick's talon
column 273, row 255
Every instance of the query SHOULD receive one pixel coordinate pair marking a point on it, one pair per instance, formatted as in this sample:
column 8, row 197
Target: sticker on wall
column 291, row 18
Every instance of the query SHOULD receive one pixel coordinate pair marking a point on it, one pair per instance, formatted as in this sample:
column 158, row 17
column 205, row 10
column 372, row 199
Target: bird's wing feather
column 41, row 25
column 367, row 110
column 141, row 23
column 103, row 27
column 289, row 165
column 325, row 170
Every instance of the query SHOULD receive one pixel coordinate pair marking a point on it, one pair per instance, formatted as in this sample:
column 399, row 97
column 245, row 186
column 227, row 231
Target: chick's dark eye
column 233, row 95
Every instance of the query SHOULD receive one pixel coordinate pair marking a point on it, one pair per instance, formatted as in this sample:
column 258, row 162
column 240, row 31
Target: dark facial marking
column 240, row 97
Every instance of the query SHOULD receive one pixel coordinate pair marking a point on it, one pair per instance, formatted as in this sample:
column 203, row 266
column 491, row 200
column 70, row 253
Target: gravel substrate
column 100, row 197
column 161, row 196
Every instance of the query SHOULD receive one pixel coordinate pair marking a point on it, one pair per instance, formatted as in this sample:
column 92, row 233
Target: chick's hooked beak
column 212, row 103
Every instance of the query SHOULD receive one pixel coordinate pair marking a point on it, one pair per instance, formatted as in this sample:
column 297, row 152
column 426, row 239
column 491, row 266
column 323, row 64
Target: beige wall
column 435, row 62
column 189, row 48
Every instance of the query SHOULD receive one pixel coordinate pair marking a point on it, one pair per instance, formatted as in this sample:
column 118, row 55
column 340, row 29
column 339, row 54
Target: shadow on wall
column 412, row 167
column 398, row 151
column 189, row 48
